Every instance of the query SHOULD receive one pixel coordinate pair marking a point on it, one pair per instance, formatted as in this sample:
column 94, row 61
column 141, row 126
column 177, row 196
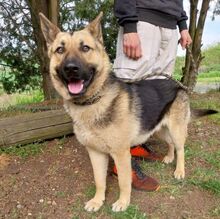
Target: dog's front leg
column 99, row 162
column 123, row 163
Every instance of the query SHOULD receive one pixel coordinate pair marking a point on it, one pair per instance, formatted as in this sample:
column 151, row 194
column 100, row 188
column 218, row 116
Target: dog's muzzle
column 76, row 77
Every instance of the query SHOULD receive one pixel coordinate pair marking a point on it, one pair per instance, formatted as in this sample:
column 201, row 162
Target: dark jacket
column 163, row 13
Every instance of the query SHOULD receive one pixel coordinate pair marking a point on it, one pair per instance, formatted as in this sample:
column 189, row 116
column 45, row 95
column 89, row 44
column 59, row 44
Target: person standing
column 147, row 43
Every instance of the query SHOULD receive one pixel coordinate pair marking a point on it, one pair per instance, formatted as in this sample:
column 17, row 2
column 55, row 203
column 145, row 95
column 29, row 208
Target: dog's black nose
column 71, row 68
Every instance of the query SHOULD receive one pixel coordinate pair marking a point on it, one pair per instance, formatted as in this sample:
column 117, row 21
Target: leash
column 192, row 58
column 145, row 77
column 91, row 100
column 194, row 66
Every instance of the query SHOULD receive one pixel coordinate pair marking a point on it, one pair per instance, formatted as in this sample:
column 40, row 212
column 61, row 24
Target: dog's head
column 79, row 64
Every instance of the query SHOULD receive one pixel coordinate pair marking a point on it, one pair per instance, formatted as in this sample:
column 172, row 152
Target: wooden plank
column 33, row 127
column 26, row 118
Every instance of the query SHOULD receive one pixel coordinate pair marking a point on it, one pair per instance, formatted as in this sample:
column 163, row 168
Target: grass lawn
column 210, row 66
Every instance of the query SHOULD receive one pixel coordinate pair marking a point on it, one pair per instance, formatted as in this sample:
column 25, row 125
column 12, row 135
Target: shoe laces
column 137, row 169
column 147, row 147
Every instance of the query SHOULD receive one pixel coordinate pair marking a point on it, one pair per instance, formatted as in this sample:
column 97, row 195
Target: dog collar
column 89, row 101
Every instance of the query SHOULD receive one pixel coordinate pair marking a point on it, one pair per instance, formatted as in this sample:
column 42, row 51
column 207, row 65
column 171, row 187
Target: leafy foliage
column 76, row 14
column 87, row 10
column 216, row 9
column 17, row 48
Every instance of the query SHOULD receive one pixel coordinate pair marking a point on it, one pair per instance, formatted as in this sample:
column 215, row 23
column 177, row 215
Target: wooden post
column 34, row 127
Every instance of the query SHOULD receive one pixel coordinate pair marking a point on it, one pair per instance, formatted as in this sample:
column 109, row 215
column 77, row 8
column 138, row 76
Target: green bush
column 20, row 78
column 15, row 81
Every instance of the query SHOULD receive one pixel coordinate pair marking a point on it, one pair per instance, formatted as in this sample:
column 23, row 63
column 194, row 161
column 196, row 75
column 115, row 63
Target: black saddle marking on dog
column 155, row 98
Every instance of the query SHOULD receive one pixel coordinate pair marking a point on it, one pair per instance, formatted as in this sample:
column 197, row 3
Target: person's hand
column 132, row 45
column 185, row 38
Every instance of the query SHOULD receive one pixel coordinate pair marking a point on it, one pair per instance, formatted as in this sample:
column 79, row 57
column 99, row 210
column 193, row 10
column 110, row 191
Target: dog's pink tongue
column 75, row 87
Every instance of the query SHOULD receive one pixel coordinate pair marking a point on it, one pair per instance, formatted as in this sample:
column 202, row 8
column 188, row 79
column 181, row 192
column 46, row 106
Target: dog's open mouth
column 75, row 86
column 76, row 80
column 78, row 86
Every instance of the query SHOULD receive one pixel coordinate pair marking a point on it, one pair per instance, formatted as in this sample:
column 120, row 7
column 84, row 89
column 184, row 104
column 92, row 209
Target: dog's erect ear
column 95, row 27
column 49, row 29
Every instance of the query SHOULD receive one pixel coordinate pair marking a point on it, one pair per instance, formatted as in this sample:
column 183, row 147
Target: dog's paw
column 168, row 159
column 120, row 206
column 179, row 174
column 93, row 205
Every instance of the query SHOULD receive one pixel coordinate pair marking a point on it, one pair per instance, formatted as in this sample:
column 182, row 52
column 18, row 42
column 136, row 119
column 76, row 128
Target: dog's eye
column 85, row 48
column 60, row 50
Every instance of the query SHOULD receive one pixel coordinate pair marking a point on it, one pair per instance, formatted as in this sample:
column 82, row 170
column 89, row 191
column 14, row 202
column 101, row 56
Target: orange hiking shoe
column 144, row 151
column 141, row 181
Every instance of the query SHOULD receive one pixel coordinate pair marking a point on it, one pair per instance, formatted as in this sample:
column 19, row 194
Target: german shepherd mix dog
column 110, row 115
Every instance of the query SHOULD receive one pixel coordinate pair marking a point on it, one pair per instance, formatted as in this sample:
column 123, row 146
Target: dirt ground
column 55, row 183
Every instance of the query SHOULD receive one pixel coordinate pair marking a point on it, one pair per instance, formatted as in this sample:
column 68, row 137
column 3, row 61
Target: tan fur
column 114, row 139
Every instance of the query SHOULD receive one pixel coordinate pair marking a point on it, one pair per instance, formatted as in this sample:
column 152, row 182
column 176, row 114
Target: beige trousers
column 159, row 48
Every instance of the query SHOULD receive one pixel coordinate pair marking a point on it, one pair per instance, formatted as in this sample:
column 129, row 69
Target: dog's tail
column 197, row 113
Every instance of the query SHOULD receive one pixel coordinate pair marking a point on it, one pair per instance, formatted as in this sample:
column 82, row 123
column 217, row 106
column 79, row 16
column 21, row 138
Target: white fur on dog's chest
column 91, row 138
column 83, row 134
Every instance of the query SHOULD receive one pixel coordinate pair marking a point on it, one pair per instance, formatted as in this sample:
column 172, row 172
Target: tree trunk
column 50, row 9
column 192, row 30
column 190, row 71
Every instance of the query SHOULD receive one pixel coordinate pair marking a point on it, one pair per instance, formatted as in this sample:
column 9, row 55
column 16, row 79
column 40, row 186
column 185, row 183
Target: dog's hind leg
column 165, row 135
column 177, row 121
column 123, row 164
column 99, row 162
column 178, row 133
